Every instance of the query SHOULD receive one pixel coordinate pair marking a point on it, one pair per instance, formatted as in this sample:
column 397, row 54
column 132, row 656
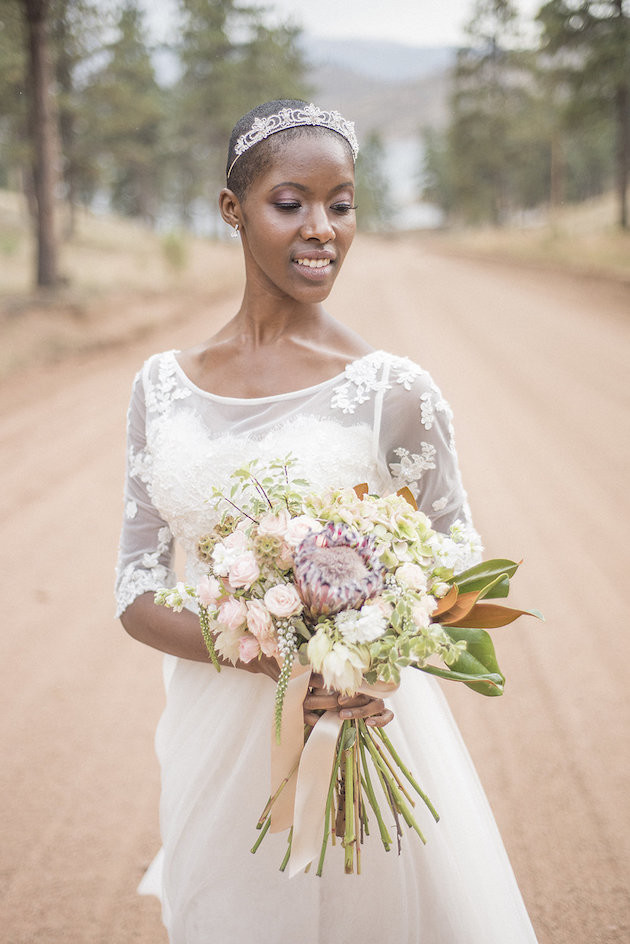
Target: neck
column 264, row 319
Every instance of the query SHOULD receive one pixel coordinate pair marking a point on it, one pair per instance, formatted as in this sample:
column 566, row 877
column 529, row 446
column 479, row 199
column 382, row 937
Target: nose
column 317, row 225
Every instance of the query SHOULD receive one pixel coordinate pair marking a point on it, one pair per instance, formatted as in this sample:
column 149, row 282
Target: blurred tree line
column 535, row 124
column 86, row 116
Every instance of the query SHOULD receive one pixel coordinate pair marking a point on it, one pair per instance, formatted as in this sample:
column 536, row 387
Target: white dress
column 385, row 422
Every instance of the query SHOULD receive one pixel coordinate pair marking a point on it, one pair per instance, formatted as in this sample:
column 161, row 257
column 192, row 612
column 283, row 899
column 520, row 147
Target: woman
column 284, row 376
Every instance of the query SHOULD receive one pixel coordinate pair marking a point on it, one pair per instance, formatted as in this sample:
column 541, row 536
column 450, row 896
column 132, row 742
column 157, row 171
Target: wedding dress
column 382, row 421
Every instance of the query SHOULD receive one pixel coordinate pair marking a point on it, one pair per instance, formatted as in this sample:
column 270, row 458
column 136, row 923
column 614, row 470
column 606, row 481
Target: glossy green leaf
column 478, row 659
column 489, row 684
column 479, row 576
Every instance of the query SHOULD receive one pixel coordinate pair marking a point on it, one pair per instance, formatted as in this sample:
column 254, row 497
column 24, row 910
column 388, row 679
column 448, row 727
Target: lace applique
column 364, row 377
column 411, row 467
column 440, row 504
column 429, row 407
column 161, row 394
column 136, row 580
column 139, row 464
column 131, row 510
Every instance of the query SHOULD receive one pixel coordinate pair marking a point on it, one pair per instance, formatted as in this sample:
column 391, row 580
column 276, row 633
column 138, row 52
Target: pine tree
column 590, row 46
column 490, row 107
column 124, row 120
column 44, row 137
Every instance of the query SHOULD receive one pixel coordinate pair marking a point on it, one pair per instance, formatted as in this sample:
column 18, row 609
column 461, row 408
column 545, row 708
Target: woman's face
column 298, row 219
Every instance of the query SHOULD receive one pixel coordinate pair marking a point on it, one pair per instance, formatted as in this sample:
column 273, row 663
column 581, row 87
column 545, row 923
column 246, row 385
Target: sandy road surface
column 536, row 368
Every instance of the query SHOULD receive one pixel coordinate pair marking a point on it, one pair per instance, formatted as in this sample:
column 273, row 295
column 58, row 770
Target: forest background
column 524, row 119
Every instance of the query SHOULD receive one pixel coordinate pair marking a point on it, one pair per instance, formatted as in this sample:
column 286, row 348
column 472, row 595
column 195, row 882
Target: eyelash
column 341, row 208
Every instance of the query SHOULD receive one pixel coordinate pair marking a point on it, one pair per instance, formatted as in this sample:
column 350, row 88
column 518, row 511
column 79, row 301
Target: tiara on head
column 294, row 118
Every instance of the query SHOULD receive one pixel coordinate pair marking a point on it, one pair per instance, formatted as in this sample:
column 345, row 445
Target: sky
column 414, row 22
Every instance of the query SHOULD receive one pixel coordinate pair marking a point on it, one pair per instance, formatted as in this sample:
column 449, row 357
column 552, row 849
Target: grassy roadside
column 121, row 281
column 582, row 239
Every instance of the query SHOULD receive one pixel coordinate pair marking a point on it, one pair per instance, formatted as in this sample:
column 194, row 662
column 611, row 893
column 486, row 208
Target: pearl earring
column 234, row 233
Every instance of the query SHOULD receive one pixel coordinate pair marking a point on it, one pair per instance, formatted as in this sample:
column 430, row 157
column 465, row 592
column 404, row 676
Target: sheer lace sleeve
column 146, row 544
column 418, row 441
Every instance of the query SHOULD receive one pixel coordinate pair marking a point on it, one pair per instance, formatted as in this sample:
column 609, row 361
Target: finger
column 311, row 718
column 320, row 700
column 374, row 706
column 379, row 721
column 353, row 701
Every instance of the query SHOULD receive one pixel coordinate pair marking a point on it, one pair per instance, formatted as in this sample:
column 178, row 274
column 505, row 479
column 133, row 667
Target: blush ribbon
column 306, row 768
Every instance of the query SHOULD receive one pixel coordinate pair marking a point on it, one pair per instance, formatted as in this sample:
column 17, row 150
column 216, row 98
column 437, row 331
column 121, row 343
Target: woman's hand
column 350, row 707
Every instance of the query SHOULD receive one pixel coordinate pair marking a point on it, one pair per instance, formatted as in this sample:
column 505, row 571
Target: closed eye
column 343, row 207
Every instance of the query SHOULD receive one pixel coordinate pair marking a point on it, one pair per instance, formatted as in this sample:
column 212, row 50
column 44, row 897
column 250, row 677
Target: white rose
column 274, row 525
column 412, row 576
column 299, row 527
column 422, row 611
column 283, row 600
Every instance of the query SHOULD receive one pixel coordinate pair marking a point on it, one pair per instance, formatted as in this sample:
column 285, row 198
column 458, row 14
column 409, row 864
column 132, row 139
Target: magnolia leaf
column 489, row 684
column 481, row 575
column 361, row 490
column 479, row 658
column 406, row 493
column 490, row 616
column 447, row 601
column 459, row 610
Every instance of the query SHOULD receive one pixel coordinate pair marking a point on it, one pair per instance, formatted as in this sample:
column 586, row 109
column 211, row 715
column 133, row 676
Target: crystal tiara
column 294, row 118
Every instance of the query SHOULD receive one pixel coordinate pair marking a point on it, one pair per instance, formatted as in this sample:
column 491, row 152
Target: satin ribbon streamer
column 302, row 802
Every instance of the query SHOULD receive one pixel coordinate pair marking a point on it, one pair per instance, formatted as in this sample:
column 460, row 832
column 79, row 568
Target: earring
column 234, row 233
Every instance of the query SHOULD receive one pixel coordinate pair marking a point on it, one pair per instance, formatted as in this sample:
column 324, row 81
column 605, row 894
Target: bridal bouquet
column 355, row 587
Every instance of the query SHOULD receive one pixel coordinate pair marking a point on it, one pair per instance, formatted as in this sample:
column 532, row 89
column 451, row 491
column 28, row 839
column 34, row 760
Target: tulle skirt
column 213, row 746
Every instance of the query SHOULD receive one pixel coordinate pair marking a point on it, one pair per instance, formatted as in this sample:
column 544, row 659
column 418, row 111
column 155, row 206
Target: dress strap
column 378, row 410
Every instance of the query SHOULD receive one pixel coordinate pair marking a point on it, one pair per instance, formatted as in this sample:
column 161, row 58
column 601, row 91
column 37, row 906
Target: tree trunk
column 623, row 151
column 44, row 139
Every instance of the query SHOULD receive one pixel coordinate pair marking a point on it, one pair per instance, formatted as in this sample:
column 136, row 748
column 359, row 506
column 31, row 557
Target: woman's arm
column 179, row 634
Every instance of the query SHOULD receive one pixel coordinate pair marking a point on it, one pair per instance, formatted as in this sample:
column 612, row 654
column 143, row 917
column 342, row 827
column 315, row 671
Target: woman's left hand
column 350, row 707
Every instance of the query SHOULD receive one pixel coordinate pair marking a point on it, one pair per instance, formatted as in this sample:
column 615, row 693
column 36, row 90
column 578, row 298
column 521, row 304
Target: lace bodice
column 382, row 420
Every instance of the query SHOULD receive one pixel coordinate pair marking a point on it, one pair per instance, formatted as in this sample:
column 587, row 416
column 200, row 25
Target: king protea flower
column 337, row 569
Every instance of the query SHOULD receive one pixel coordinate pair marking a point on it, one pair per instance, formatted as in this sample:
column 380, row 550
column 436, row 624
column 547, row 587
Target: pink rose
column 209, row 590
column 233, row 614
column 274, row 525
column 283, row 600
column 244, row 571
column 248, row 648
column 259, row 621
column 237, row 541
column 299, row 527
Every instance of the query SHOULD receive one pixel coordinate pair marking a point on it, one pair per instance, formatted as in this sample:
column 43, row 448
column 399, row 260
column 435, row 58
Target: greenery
column 535, row 124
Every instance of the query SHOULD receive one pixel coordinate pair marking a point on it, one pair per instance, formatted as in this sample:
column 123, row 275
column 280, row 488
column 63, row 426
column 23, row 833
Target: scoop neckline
column 303, row 391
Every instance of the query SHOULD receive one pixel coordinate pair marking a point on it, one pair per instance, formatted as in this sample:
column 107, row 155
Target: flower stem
column 349, row 837
column 329, row 802
column 262, row 836
column 369, row 789
column 204, row 621
column 408, row 774
column 272, row 799
column 287, row 854
column 356, row 765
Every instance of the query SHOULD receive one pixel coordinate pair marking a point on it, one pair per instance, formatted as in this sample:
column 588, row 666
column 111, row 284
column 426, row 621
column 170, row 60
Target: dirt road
column 536, row 368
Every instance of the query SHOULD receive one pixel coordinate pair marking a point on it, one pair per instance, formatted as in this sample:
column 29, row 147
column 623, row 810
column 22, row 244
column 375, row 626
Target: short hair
column 257, row 159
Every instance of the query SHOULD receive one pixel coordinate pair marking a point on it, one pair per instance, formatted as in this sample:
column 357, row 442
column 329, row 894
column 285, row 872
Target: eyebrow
column 293, row 183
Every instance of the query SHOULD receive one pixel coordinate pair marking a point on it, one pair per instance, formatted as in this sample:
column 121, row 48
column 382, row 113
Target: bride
column 284, row 376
